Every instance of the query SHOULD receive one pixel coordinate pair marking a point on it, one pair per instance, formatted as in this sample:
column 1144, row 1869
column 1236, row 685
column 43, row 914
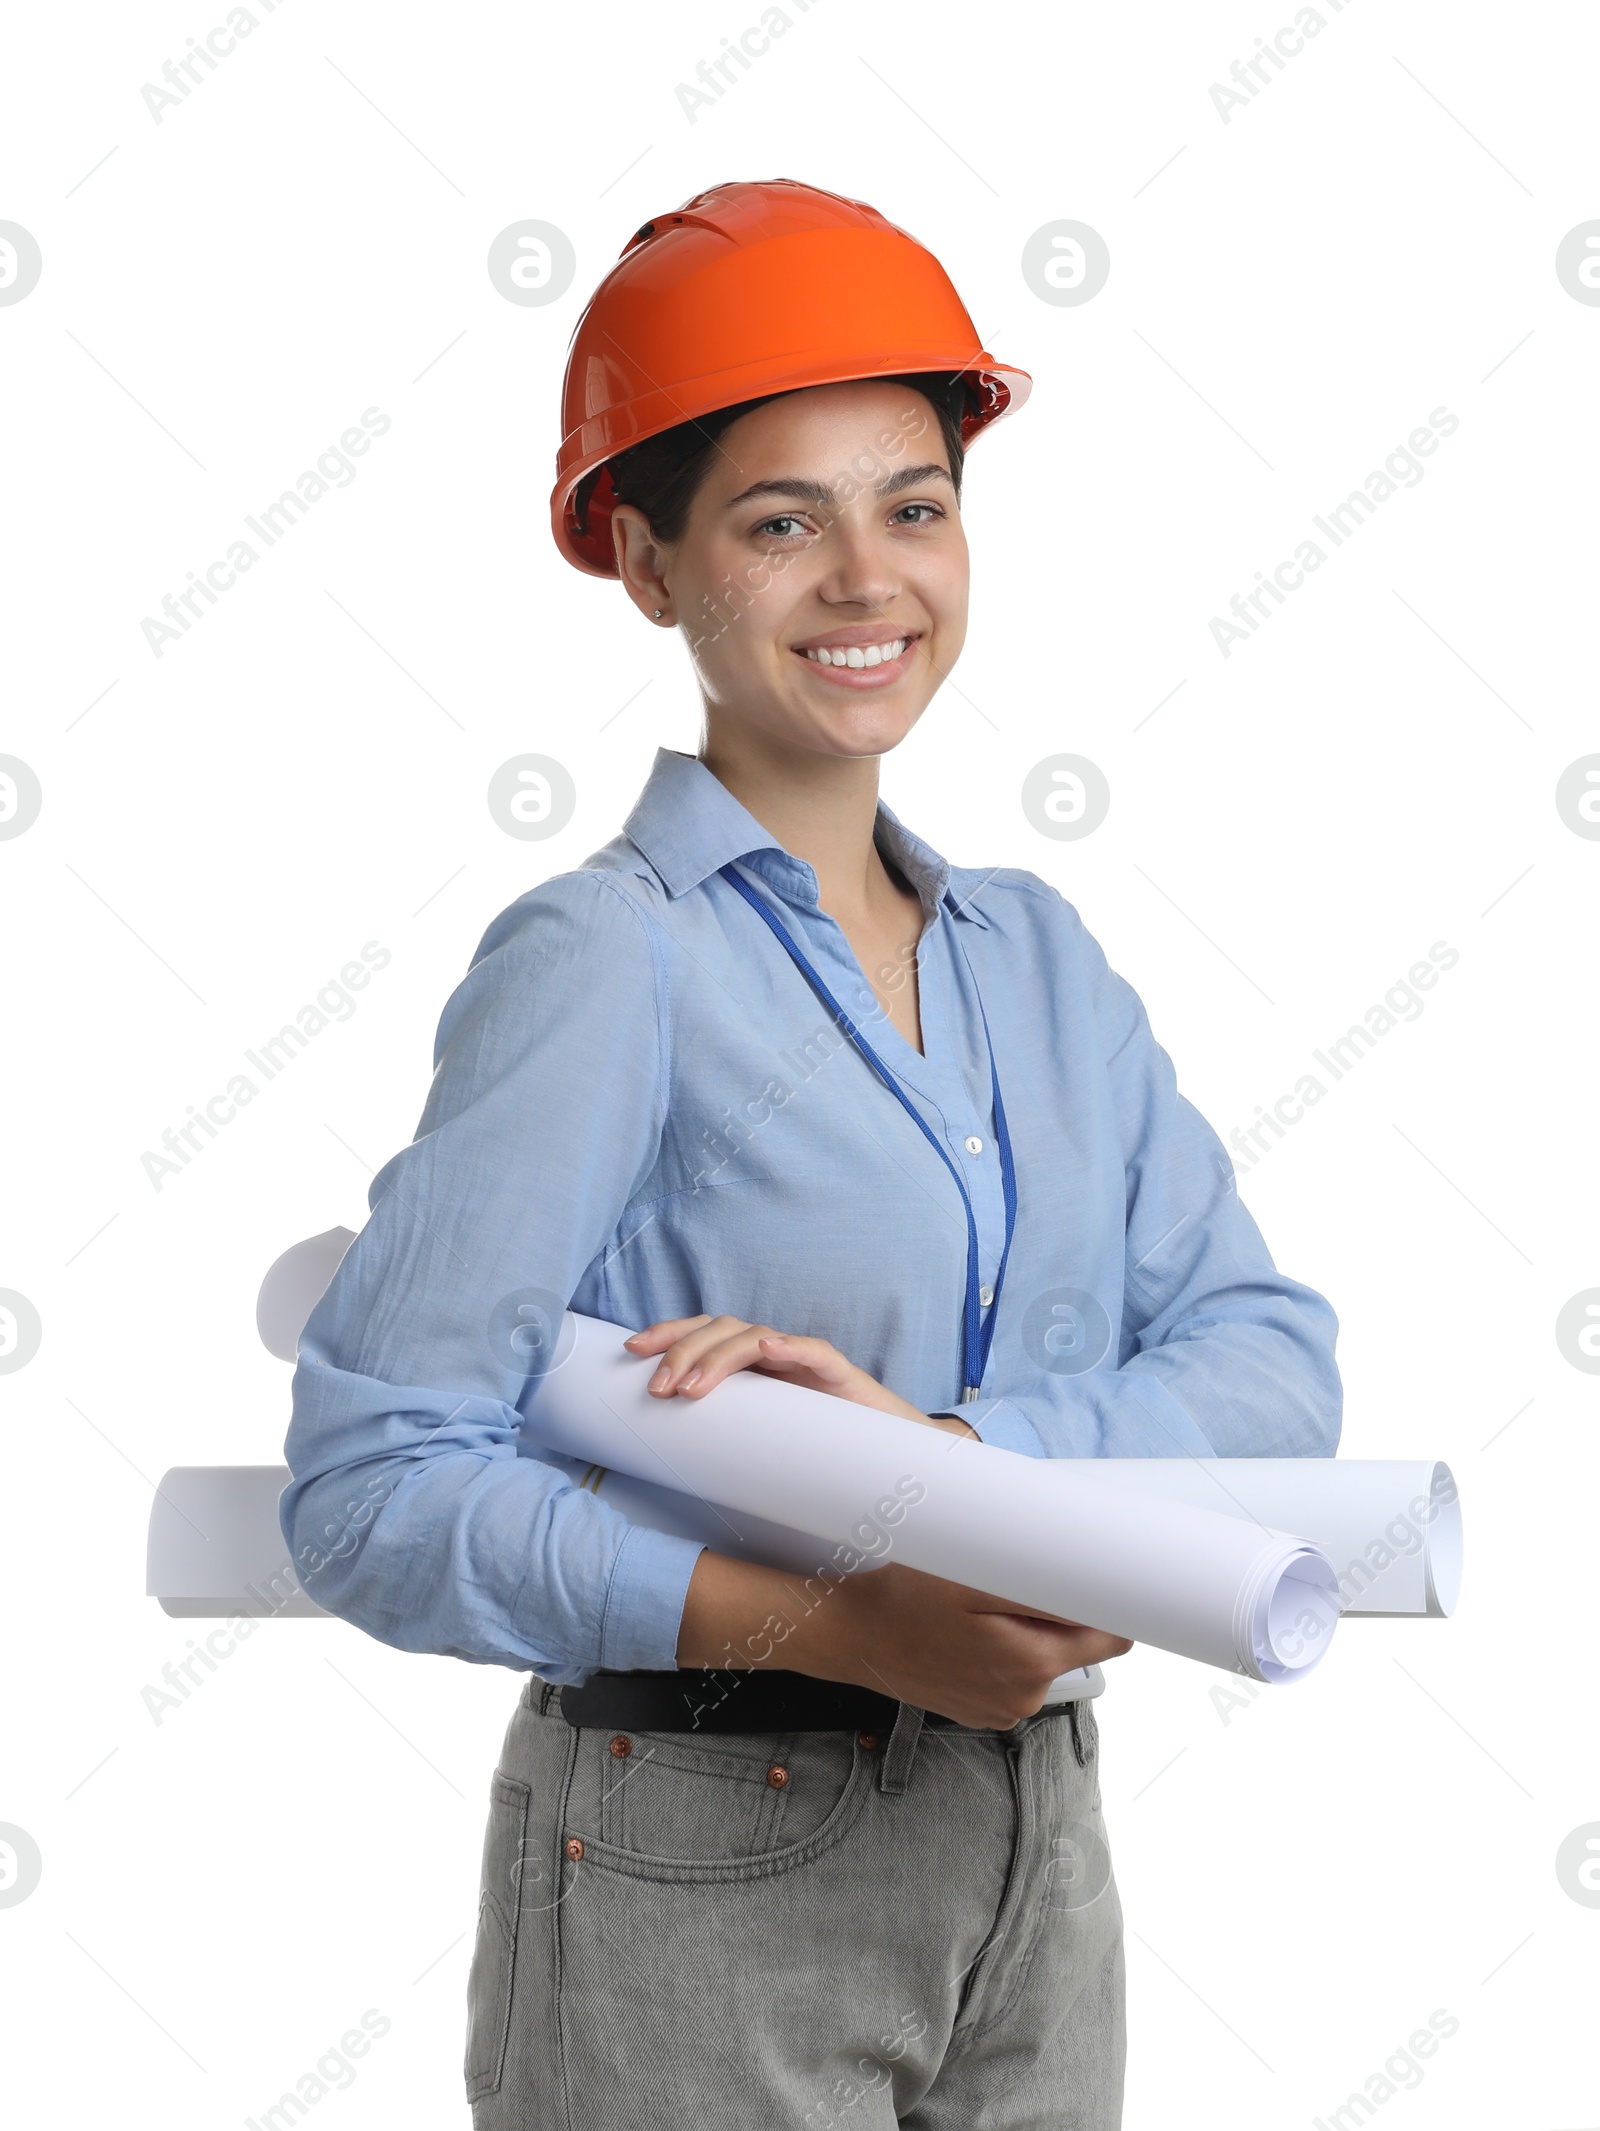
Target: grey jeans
column 796, row 1932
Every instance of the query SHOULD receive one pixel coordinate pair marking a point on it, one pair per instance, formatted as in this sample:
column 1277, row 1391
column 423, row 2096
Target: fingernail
column 775, row 1339
column 693, row 1377
column 658, row 1381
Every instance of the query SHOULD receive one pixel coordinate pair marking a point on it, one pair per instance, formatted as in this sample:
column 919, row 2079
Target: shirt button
column 985, row 1296
column 777, row 1777
column 974, row 1144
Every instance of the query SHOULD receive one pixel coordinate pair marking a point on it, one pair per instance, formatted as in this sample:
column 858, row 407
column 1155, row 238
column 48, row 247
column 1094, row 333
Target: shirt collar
column 688, row 825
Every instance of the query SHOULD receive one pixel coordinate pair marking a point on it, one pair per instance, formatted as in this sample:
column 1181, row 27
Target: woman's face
column 821, row 579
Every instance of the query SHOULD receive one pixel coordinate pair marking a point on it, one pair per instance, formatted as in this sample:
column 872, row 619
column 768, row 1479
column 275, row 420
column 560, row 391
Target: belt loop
column 1077, row 1734
column 895, row 1773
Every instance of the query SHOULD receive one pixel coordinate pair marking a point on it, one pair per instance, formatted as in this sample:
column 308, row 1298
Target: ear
column 642, row 564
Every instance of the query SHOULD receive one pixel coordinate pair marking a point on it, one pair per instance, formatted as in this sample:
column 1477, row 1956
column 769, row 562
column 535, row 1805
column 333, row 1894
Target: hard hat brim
column 1001, row 388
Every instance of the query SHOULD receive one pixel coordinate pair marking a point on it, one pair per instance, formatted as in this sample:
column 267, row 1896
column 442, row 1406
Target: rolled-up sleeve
column 410, row 1511
column 1220, row 1355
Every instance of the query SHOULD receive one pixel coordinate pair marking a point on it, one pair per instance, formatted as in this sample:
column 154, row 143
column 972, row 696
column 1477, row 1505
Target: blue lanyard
column 977, row 1331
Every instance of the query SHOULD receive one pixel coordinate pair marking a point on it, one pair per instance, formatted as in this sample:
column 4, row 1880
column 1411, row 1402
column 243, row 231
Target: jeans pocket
column 495, row 1952
column 672, row 1806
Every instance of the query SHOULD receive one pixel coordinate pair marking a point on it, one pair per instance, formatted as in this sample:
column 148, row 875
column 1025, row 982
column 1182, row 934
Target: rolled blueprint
column 1387, row 1531
column 214, row 1549
column 295, row 1283
column 1045, row 1534
column 1390, row 1526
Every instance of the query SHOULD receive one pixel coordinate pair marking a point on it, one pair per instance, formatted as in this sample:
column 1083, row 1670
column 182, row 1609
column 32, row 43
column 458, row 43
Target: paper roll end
column 1296, row 1619
column 1442, row 1557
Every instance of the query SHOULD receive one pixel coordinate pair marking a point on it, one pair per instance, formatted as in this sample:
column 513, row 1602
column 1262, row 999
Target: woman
column 770, row 1078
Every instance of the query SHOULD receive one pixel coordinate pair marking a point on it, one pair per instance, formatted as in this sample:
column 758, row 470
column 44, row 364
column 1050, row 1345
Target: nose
column 863, row 570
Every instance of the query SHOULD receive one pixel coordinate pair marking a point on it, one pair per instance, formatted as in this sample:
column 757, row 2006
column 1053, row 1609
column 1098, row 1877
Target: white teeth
column 857, row 655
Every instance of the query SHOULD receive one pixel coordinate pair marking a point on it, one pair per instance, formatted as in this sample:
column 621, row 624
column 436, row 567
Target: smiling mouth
column 859, row 656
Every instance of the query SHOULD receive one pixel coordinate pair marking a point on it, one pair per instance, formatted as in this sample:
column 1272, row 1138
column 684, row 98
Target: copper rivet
column 777, row 1777
column 574, row 1847
column 869, row 1740
column 621, row 1747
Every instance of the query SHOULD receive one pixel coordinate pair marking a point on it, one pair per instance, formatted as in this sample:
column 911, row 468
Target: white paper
column 294, row 1285
column 1046, row 1534
column 1390, row 1526
column 215, row 1549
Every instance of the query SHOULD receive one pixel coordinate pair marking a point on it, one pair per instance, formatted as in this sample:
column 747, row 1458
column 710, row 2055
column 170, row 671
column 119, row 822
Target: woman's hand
column 697, row 1353
column 914, row 1637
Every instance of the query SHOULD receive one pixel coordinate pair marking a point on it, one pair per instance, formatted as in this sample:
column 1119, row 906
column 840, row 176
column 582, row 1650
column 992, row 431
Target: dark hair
column 662, row 475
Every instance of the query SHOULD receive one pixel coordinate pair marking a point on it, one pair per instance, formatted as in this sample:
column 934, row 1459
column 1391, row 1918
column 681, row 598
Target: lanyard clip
column 969, row 1394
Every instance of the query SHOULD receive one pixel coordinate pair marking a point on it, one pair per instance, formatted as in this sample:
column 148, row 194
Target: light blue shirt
column 640, row 1106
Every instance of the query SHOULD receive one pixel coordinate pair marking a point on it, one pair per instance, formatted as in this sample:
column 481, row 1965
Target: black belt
column 753, row 1700
column 744, row 1701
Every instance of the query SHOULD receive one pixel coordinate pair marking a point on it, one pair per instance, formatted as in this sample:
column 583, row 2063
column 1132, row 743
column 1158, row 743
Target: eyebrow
column 820, row 496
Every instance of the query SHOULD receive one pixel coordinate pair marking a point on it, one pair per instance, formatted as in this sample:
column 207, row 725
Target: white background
column 1305, row 1878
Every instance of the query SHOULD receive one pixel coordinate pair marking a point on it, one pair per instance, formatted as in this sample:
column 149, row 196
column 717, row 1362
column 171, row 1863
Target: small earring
column 658, row 614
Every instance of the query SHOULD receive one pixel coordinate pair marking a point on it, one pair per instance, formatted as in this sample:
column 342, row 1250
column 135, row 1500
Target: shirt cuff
column 644, row 1604
column 1002, row 1423
column 1146, row 1422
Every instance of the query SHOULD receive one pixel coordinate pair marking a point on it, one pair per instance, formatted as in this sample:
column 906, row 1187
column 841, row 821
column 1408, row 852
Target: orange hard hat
column 748, row 290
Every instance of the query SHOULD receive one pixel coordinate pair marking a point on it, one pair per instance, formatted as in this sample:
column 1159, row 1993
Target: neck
column 821, row 808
